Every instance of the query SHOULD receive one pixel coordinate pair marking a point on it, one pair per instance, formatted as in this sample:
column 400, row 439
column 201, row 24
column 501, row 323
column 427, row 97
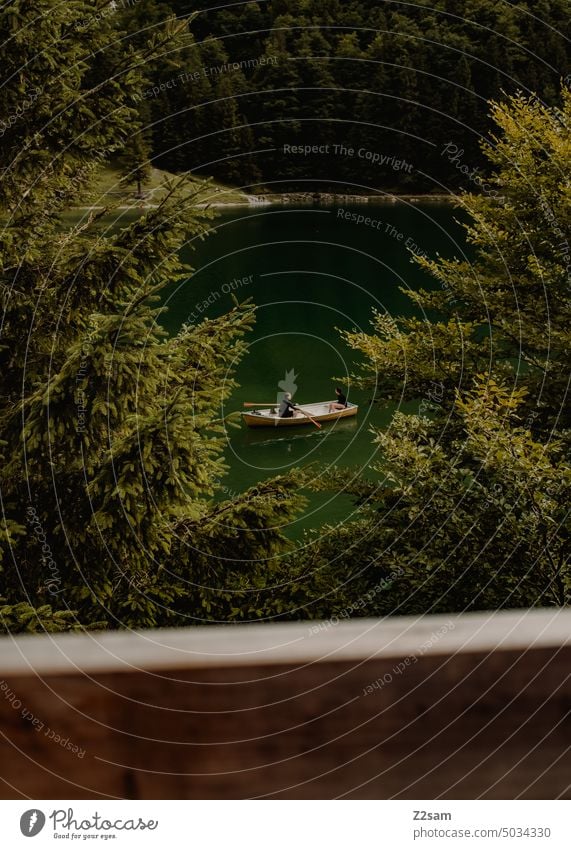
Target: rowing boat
column 319, row 412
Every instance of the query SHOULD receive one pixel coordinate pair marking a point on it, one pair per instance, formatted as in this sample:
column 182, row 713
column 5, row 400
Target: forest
column 391, row 78
column 113, row 507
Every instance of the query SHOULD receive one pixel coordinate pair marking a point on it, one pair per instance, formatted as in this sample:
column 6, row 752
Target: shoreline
column 331, row 199
column 295, row 199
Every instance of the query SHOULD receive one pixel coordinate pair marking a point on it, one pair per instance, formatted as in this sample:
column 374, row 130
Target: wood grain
column 441, row 707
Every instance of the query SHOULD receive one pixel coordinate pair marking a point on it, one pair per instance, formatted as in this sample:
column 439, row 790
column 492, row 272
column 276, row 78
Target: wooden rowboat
column 319, row 412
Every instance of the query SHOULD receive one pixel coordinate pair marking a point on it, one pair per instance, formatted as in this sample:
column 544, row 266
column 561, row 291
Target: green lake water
column 309, row 270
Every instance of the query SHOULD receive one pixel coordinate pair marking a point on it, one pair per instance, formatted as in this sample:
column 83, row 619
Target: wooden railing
column 450, row 707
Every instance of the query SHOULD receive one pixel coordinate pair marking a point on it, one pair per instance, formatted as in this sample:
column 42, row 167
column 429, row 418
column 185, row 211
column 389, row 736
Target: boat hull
column 319, row 412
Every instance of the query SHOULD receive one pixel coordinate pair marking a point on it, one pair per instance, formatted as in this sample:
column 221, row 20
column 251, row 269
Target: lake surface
column 310, row 270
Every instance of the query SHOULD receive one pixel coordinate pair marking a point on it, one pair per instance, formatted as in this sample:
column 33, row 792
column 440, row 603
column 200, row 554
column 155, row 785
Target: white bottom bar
column 287, row 824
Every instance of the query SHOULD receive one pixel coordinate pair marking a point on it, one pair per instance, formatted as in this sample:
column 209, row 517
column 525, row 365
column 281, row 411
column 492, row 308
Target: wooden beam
column 448, row 706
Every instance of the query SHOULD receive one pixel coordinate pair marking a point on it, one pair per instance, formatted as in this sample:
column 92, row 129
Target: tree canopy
column 391, row 78
column 111, row 430
column 471, row 509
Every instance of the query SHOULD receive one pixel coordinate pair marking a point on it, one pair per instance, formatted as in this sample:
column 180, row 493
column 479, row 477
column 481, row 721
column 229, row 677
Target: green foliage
column 395, row 78
column 471, row 506
column 135, row 158
column 23, row 618
column 245, row 535
column 112, row 436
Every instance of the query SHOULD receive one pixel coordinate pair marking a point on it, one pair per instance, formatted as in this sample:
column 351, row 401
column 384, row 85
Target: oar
column 309, row 417
column 247, row 404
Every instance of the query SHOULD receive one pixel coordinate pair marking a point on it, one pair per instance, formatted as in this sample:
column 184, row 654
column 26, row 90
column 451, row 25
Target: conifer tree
column 135, row 158
column 471, row 506
column 478, row 45
column 112, row 432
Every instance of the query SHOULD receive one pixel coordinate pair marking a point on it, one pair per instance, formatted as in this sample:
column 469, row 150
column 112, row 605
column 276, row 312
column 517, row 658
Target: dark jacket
column 286, row 409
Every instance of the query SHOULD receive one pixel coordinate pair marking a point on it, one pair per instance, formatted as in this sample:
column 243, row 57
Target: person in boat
column 340, row 403
column 288, row 409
